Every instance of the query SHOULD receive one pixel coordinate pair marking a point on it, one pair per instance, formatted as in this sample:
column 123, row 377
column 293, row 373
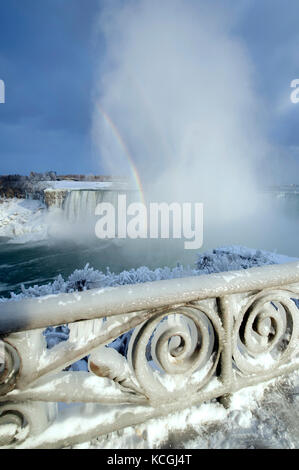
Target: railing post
column 226, row 307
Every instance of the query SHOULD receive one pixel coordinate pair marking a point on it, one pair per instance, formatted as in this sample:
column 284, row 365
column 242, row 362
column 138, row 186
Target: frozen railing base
column 194, row 339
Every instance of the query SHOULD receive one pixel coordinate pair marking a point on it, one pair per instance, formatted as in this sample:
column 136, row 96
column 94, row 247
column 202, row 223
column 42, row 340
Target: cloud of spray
column 178, row 87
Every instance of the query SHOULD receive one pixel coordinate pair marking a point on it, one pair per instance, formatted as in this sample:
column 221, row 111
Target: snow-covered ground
column 87, row 185
column 23, row 220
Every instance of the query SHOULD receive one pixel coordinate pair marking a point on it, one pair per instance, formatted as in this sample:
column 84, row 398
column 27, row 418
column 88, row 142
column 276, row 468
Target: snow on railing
column 194, row 339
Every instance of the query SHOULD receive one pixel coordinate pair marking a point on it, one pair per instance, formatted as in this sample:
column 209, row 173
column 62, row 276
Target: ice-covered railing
column 194, row 339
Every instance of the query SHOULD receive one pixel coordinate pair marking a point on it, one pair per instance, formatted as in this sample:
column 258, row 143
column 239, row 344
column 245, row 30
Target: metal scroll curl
column 175, row 351
column 20, row 421
column 266, row 332
column 9, row 367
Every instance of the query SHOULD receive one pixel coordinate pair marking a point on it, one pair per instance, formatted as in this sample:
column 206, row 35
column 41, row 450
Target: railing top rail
column 54, row 310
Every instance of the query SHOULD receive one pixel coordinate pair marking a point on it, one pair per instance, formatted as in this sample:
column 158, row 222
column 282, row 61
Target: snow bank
column 87, row 185
column 23, row 220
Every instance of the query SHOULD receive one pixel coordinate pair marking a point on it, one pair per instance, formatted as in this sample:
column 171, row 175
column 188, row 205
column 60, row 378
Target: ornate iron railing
column 194, row 339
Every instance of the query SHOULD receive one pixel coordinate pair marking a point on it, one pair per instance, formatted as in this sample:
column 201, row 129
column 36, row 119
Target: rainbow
column 125, row 149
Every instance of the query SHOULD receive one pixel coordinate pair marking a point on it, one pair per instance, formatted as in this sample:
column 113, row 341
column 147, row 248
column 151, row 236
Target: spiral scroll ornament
column 174, row 350
column 13, row 427
column 266, row 332
column 9, row 367
column 20, row 421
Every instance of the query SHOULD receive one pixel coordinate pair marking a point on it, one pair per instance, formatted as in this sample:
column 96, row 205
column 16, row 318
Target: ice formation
column 23, row 220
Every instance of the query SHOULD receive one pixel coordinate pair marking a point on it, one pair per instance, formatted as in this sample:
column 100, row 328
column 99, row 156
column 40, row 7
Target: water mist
column 175, row 95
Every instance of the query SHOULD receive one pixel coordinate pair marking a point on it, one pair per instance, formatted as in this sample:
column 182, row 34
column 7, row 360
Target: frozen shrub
column 226, row 259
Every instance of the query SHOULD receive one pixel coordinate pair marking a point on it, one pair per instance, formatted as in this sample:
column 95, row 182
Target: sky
column 50, row 61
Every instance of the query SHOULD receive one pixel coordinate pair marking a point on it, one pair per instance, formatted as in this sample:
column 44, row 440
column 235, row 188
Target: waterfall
column 54, row 198
column 71, row 211
column 80, row 205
